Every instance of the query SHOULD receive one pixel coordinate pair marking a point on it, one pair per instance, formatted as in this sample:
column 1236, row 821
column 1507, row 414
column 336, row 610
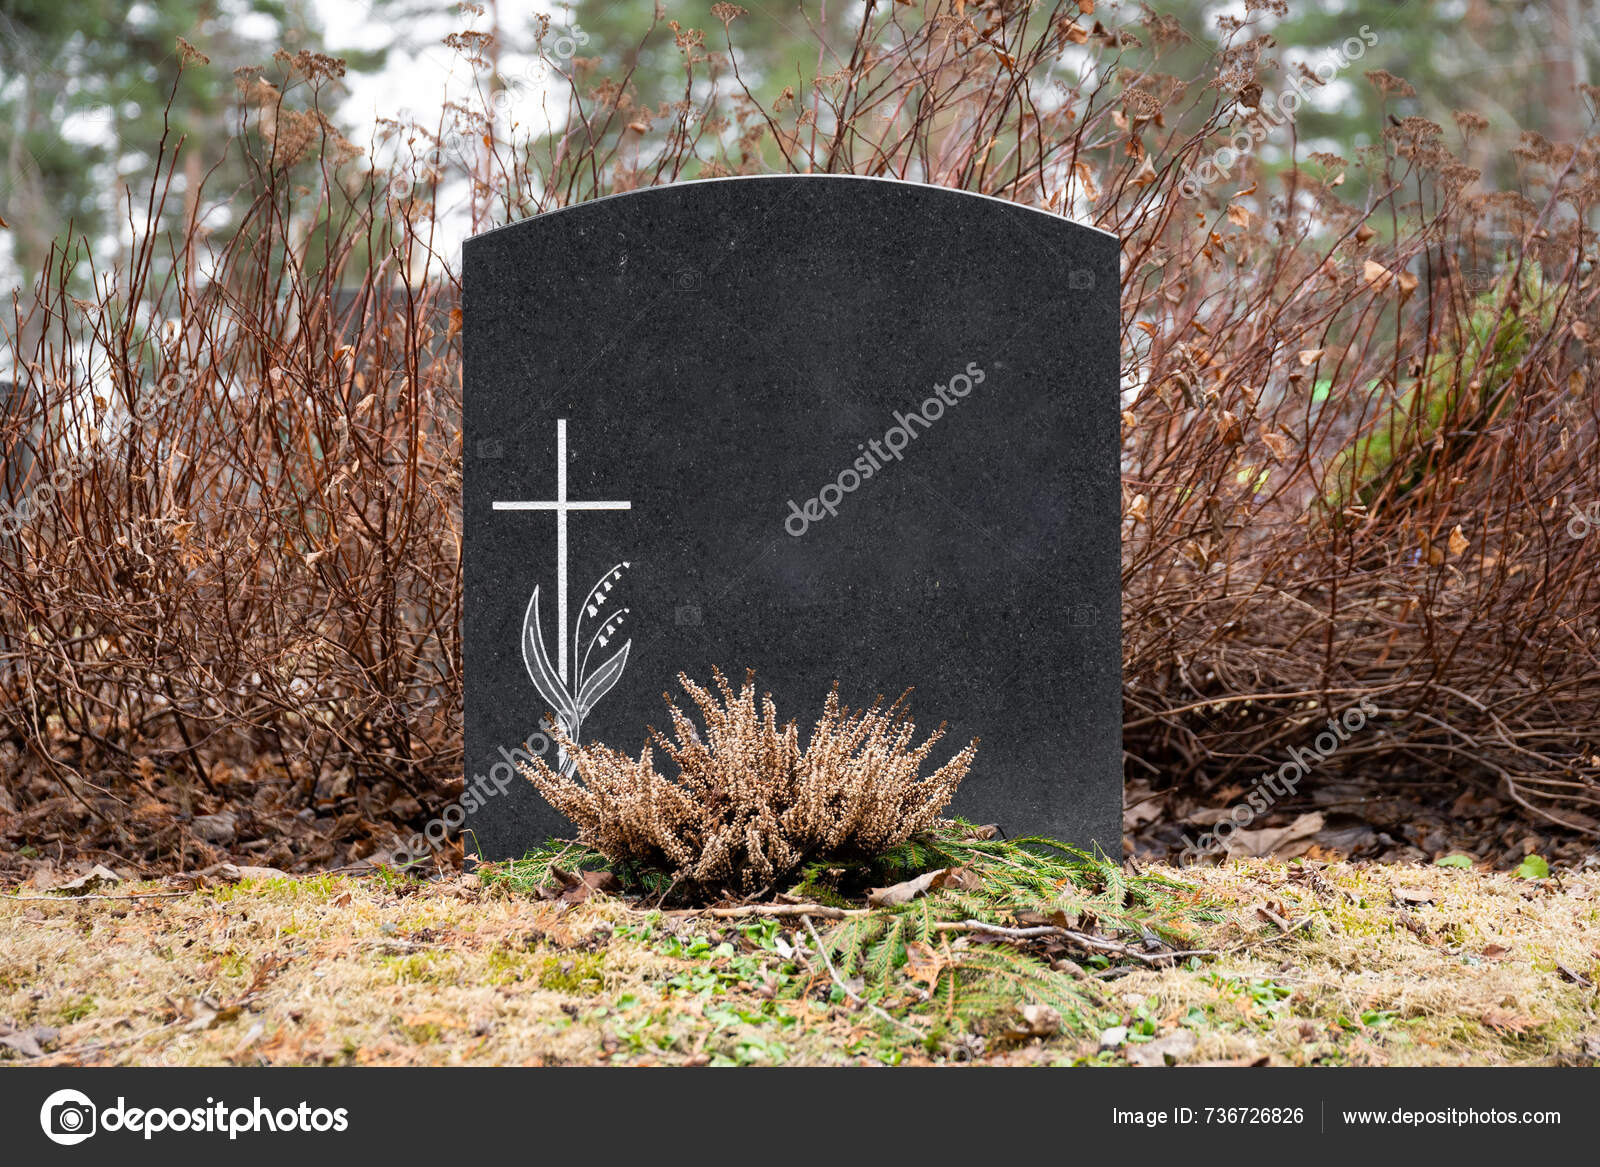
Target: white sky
column 421, row 74
column 418, row 81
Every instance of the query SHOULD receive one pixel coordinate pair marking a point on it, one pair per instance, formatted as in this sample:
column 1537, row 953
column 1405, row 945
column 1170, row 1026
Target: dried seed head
column 748, row 805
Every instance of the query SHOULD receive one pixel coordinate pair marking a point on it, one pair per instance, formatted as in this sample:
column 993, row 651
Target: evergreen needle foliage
column 1009, row 882
column 902, row 958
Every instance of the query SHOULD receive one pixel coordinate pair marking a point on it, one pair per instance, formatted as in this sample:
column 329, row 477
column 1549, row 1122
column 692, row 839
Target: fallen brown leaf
column 1056, row 919
column 1411, row 924
column 29, row 1042
column 1288, row 842
column 1508, row 1020
column 1163, row 1051
column 577, row 886
column 925, row 964
column 1031, row 1021
column 98, row 876
column 904, row 893
column 1273, row 914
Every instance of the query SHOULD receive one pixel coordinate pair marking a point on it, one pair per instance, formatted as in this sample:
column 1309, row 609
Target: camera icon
column 489, row 448
column 1084, row 615
column 1080, row 279
column 687, row 615
column 688, row 280
column 68, row 1117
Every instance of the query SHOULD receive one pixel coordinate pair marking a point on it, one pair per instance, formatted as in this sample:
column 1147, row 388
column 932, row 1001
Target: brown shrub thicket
column 749, row 805
column 1357, row 427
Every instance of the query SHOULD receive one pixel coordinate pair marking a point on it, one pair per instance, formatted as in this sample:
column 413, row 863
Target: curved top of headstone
column 747, row 188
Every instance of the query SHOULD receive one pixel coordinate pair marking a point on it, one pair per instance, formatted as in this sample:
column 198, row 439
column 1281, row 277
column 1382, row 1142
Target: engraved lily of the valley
column 573, row 701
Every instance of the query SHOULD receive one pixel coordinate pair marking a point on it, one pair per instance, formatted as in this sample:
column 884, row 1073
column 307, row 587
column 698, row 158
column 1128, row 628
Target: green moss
column 508, row 967
column 578, row 975
column 316, row 889
column 420, row 1032
column 413, row 968
column 77, row 1010
column 1395, row 455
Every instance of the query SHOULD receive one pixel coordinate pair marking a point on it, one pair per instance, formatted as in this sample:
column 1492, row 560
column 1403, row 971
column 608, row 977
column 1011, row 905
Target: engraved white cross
column 561, row 505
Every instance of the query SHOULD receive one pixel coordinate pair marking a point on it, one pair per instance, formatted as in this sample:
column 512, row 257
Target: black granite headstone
column 824, row 427
column 16, row 449
column 17, row 446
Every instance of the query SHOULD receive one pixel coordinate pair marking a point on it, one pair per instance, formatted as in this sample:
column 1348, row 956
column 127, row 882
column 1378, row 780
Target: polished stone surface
column 819, row 426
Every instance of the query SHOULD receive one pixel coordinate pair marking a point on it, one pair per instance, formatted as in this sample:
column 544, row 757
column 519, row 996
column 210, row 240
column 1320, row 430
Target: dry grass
column 1474, row 976
column 368, row 971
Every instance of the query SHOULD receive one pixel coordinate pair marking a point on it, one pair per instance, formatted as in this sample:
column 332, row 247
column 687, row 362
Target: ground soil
column 1311, row 964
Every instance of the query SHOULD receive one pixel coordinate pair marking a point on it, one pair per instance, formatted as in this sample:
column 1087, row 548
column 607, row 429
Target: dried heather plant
column 748, row 805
